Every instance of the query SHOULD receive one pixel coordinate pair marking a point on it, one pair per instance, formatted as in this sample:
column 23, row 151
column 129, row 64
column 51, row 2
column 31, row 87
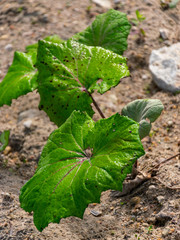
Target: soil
column 152, row 211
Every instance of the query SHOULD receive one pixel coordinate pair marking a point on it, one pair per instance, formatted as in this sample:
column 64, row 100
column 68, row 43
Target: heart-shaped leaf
column 80, row 160
column 144, row 111
column 4, row 139
column 70, row 71
column 20, row 79
column 109, row 30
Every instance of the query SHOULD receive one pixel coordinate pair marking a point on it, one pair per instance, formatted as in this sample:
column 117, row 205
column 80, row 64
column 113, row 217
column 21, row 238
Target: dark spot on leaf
column 73, row 58
column 130, row 131
column 50, row 81
column 77, row 96
column 81, row 64
column 55, row 113
column 58, row 85
column 54, row 58
column 52, row 96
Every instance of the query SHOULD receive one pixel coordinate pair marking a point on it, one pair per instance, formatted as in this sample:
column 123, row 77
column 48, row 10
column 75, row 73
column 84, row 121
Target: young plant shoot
column 82, row 158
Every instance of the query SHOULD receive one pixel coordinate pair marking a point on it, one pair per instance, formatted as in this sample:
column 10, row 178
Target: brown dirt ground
column 155, row 212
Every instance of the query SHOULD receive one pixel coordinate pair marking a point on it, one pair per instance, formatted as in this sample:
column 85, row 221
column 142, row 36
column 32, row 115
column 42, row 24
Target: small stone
column 163, row 34
column 152, row 187
column 8, row 47
column 165, row 232
column 27, row 124
column 31, row 113
column 164, row 65
column 148, row 2
column 104, row 3
column 162, row 218
column 135, row 201
column 7, row 150
column 170, row 123
column 116, row 1
column 6, row 197
column 160, row 199
column 96, row 213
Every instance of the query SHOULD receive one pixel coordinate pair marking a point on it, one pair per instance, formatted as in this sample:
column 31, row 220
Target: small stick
column 174, row 188
column 165, row 160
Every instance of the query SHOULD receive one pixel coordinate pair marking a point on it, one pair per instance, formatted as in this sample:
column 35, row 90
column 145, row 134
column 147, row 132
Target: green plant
column 82, row 158
column 4, row 139
column 137, row 21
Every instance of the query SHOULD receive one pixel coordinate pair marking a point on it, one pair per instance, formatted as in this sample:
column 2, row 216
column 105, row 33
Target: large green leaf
column 20, row 79
column 68, row 71
column 109, row 30
column 4, row 139
column 144, row 111
column 80, row 160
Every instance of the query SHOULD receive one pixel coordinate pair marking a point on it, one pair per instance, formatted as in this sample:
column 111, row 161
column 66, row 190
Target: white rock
column 31, row 113
column 164, row 65
column 161, row 199
column 104, row 3
column 27, row 124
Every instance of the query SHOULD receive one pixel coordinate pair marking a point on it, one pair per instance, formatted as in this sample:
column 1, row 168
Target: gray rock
column 148, row 2
column 8, row 47
column 164, row 65
column 164, row 34
column 31, row 113
column 104, row 3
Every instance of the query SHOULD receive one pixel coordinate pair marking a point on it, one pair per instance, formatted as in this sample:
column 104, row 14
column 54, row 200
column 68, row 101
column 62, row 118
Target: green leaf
column 109, row 30
column 70, row 71
column 4, row 140
column 80, row 160
column 139, row 16
column 20, row 79
column 173, row 3
column 144, row 111
column 53, row 39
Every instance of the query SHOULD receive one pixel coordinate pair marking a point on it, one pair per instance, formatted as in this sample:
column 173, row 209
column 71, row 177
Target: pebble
column 164, row 65
column 149, row 2
column 152, row 187
column 163, row 34
column 96, row 213
column 6, row 197
column 160, row 199
column 165, row 232
column 7, row 150
column 135, row 201
column 27, row 124
column 170, row 123
column 162, row 218
column 104, row 3
column 8, row 47
column 31, row 113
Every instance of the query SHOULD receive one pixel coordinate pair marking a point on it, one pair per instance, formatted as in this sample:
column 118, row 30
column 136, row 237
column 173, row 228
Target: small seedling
column 140, row 32
column 82, row 157
column 150, row 228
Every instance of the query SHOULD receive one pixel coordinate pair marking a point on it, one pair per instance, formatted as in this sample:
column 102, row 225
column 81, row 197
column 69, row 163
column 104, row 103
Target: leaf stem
column 96, row 106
